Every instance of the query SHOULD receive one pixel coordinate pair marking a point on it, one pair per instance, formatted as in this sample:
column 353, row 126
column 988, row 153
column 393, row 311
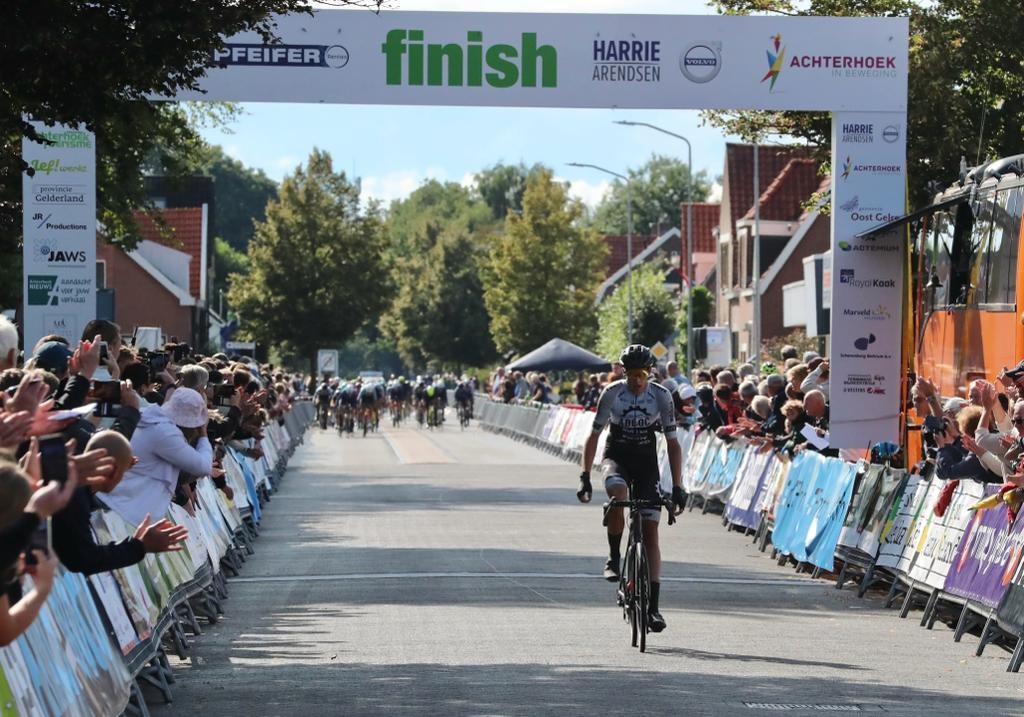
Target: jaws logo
column 411, row 61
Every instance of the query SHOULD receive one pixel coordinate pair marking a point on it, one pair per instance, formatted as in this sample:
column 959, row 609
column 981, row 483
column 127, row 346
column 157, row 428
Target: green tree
column 703, row 312
column 438, row 236
column 653, row 312
column 962, row 78
column 96, row 64
column 229, row 263
column 242, row 195
column 315, row 264
column 438, row 319
column 657, row 189
column 543, row 271
column 501, row 186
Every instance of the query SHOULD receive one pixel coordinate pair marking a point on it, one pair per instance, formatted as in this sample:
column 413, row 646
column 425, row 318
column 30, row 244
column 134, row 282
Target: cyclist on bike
column 464, row 397
column 634, row 409
column 323, row 401
column 367, row 402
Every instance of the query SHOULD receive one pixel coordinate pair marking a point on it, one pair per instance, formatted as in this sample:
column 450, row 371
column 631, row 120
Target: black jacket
column 76, row 547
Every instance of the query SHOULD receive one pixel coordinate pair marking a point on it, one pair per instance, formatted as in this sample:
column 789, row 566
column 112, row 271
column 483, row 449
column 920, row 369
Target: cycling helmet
column 636, row 356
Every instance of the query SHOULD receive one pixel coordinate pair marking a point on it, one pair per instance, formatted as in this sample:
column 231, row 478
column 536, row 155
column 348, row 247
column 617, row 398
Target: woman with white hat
column 162, row 443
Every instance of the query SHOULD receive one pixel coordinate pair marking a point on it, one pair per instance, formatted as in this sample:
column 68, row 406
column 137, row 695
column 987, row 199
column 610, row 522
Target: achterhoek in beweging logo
column 411, row 61
column 775, row 60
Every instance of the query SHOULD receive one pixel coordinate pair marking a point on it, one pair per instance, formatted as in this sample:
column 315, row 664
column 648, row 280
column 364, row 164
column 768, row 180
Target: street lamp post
column 689, row 236
column 629, row 238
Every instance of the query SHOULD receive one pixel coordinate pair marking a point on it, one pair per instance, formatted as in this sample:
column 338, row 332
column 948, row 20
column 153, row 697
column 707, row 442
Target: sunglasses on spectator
column 1018, row 421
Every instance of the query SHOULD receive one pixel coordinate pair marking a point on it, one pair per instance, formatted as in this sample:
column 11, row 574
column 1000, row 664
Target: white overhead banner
column 868, row 189
column 568, row 60
column 59, row 225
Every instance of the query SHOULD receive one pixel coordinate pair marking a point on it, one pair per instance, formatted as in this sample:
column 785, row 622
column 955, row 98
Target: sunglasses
column 637, row 373
column 1018, row 421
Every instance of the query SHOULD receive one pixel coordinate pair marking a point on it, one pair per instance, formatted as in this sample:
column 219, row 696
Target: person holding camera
column 163, row 445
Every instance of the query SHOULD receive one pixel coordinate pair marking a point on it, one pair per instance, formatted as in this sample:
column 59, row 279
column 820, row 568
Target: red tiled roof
column 617, row 249
column 783, row 199
column 739, row 168
column 185, row 225
column 705, row 219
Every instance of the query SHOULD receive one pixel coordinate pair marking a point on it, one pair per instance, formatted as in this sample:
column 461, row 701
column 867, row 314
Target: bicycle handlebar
column 638, row 504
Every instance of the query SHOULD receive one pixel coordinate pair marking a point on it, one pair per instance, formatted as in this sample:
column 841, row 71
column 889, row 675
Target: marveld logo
column 280, row 55
column 412, row 62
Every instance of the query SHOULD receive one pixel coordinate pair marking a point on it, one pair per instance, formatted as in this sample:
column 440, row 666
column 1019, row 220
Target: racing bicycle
column 634, row 591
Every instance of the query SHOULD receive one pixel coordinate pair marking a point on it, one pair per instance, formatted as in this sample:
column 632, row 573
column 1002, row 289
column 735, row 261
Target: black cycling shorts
column 367, row 400
column 641, row 474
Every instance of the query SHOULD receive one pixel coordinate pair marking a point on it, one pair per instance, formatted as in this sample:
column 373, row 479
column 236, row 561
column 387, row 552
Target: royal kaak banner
column 59, row 225
column 567, row 60
column 988, row 555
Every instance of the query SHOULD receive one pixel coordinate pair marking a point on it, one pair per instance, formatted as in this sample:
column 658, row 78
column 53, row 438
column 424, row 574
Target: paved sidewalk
column 453, row 573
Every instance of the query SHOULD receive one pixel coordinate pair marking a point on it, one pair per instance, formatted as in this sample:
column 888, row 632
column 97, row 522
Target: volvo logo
column 701, row 62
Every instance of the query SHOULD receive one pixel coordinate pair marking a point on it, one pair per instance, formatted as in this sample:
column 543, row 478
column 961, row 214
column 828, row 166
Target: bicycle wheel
column 629, row 571
column 643, row 595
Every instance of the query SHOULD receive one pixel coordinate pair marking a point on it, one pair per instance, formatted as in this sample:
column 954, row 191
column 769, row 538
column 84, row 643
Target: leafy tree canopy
column 653, row 312
column 315, row 264
column 242, row 195
column 502, row 186
column 656, row 190
column 543, row 271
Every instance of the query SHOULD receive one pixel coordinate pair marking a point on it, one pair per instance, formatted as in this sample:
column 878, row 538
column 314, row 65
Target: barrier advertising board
column 59, row 225
column 987, row 557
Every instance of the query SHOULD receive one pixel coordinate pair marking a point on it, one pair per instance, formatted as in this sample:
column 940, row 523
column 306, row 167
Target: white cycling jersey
column 633, row 418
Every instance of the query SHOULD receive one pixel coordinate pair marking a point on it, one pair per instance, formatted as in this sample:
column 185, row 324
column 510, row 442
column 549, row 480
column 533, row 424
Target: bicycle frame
column 634, row 577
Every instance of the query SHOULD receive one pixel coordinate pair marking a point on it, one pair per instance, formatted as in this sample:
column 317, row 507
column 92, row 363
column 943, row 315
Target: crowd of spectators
column 782, row 404
column 979, row 438
column 89, row 424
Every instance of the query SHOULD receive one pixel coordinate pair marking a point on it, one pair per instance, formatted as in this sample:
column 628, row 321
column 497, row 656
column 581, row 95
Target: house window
column 101, row 274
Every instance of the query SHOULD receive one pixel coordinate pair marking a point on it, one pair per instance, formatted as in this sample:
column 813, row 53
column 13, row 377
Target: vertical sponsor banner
column 868, row 189
column 59, row 224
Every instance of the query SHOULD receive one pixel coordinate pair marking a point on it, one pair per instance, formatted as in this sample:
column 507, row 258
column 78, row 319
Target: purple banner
column 987, row 557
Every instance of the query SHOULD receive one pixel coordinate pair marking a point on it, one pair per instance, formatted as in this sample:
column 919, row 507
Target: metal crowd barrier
column 873, row 526
column 97, row 640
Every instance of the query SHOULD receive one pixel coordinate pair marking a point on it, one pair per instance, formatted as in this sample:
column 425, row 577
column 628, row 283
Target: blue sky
column 394, row 149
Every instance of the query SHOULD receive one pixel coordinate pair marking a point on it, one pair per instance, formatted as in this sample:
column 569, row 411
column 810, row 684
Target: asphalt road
column 453, row 573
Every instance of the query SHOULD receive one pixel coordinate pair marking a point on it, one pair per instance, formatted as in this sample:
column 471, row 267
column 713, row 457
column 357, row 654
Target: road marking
column 413, row 447
column 752, row 582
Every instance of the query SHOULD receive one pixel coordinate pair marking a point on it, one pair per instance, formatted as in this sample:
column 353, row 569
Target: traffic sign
column 659, row 351
column 327, row 361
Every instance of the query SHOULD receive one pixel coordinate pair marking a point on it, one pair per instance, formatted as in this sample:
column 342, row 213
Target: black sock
column 613, row 546
column 652, row 604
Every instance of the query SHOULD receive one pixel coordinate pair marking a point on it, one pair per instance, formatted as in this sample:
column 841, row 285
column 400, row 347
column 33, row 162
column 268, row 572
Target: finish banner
column 567, row 60
column 59, row 225
column 868, row 165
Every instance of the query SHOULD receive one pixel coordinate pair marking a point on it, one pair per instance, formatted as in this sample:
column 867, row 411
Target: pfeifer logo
column 775, row 60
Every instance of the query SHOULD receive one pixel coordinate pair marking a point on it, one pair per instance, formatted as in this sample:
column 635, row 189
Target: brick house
column 669, row 247
column 788, row 178
column 163, row 281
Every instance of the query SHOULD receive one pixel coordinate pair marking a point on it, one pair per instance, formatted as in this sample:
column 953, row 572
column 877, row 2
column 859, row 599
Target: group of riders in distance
column 359, row 404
